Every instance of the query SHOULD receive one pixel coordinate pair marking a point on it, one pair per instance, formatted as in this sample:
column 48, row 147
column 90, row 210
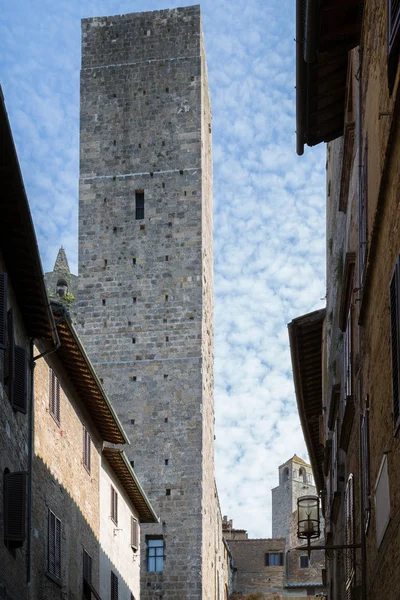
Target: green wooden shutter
column 3, row 311
column 15, row 507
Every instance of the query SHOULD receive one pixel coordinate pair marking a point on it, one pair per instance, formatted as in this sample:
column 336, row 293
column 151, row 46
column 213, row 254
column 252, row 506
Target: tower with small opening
column 145, row 308
column 295, row 480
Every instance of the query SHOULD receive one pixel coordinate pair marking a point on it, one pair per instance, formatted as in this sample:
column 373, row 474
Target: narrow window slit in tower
column 166, row 258
column 132, row 464
column 139, row 145
column 166, row 297
column 133, row 377
column 101, row 380
column 105, row 323
column 166, row 420
column 105, row 200
column 167, row 338
column 164, row 320
column 184, row 193
column 133, row 340
column 163, row 143
column 134, row 261
column 104, row 301
column 166, row 461
column 144, row 92
column 151, row 173
column 181, row 172
column 167, row 492
column 165, row 375
column 115, row 95
column 134, row 299
column 163, row 184
column 129, row 323
column 167, row 89
column 114, row 178
column 115, row 142
column 169, row 223
column 139, row 208
column 142, row 227
column 132, row 421
column 105, row 262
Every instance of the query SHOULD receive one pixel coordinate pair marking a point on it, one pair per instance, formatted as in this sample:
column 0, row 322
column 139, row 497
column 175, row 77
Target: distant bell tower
column 295, row 480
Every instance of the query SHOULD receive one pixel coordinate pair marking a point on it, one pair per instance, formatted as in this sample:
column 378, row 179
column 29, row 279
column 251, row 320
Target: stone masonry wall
column 145, row 309
column 63, row 485
column 252, row 576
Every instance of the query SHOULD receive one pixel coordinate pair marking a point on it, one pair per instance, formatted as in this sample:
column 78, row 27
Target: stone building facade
column 346, row 358
column 24, row 316
column 145, row 301
column 277, row 568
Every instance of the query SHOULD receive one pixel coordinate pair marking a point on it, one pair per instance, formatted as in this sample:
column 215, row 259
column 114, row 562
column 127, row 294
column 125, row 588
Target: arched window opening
column 286, row 474
column 62, row 288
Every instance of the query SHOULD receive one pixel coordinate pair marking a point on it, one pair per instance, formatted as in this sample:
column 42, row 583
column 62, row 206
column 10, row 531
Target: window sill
column 53, row 578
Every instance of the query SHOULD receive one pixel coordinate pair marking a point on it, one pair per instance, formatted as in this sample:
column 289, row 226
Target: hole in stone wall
column 165, row 375
column 103, row 301
column 166, row 461
column 115, row 142
column 169, row 223
column 133, row 340
column 166, row 258
column 167, row 492
column 166, row 297
column 114, row 178
column 129, row 323
column 163, row 184
column 115, row 95
column 166, row 420
column 132, row 463
column 166, row 338
column 142, row 227
column 144, row 92
column 132, row 421
column 163, row 143
column 151, row 173
column 139, row 145
column 164, row 320
column 134, row 299
column 184, row 193
column 105, row 200
column 181, row 172
column 101, row 380
column 133, row 377
column 134, row 261
column 167, row 89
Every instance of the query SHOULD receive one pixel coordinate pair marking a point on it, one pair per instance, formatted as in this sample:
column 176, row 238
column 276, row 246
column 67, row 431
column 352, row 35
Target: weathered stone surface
column 145, row 308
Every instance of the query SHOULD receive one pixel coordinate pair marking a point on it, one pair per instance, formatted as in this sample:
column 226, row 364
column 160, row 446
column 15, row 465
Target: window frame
column 157, row 555
column 134, row 533
column 86, row 458
column 114, row 505
column 54, row 396
column 139, row 205
column 301, row 559
column 114, row 586
column 54, row 554
column 279, row 560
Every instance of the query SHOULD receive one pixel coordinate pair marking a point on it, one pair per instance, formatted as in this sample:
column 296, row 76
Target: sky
column 269, row 208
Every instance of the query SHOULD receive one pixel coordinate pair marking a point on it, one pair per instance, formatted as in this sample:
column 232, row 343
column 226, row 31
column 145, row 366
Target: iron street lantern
column 308, row 517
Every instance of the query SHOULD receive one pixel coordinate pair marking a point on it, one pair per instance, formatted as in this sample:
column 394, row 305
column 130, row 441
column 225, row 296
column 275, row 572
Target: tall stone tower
column 145, row 308
column 295, row 480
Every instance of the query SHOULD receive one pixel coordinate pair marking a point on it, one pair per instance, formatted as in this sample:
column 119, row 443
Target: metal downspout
column 360, row 291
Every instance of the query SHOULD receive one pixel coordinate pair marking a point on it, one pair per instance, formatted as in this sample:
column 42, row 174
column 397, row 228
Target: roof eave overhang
column 83, row 376
column 326, row 30
column 18, row 241
column 306, row 337
column 126, row 475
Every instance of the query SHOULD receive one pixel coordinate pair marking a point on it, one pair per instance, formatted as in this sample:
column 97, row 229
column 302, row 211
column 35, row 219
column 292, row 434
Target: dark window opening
column 132, row 464
column 139, row 198
column 166, row 297
column 103, row 302
column 166, row 338
column 304, row 562
column 133, row 340
column 134, row 299
column 167, row 492
column 166, row 420
column 114, row 586
column 166, row 461
column 166, row 258
column 14, row 517
column 132, row 421
column 62, row 288
column 54, row 545
column 134, row 261
column 87, row 575
column 165, row 376
column 134, row 378
column 274, row 559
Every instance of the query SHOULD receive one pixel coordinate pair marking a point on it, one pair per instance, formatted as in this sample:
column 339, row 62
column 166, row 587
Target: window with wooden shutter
column 54, row 545
column 134, row 534
column 365, row 466
column 87, row 575
column 114, row 505
column 86, row 449
column 9, row 356
column 382, row 500
column 3, row 311
column 15, row 508
column 19, row 388
column 363, row 226
column 54, row 396
column 114, row 586
column 395, row 342
column 350, row 537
